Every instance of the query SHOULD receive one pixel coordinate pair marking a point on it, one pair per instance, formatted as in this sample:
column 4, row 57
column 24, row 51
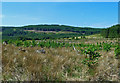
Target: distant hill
column 24, row 32
column 111, row 32
column 62, row 28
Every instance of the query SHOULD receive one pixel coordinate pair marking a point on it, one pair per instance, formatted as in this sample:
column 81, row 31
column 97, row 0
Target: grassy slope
column 57, row 64
column 94, row 36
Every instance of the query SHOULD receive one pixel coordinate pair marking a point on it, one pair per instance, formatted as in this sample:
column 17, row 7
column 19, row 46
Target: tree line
column 111, row 32
column 22, row 33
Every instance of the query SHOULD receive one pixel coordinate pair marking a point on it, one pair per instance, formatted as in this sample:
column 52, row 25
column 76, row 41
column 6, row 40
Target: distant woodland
column 111, row 32
column 26, row 33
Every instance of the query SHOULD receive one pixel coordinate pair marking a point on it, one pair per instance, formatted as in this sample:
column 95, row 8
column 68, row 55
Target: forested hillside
column 25, row 33
column 86, row 30
column 111, row 32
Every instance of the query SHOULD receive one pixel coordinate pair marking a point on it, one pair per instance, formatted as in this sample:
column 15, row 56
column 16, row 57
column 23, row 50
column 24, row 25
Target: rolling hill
column 25, row 33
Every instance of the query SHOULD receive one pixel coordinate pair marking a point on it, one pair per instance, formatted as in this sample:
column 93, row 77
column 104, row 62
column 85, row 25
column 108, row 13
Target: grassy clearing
column 58, row 64
column 48, row 32
column 0, row 33
column 94, row 36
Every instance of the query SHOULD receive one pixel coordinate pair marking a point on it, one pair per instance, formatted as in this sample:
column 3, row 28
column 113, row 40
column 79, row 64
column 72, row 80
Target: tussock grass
column 57, row 64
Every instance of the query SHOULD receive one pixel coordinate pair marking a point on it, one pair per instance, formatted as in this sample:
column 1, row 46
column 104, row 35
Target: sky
column 60, row 0
column 85, row 14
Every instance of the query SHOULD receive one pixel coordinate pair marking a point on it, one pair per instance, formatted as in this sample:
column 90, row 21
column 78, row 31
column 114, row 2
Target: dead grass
column 107, row 68
column 57, row 64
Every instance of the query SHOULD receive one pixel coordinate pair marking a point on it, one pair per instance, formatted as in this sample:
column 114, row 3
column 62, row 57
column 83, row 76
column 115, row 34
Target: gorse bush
column 26, row 44
column 18, row 43
column 56, row 44
column 91, row 56
column 33, row 43
column 117, row 51
column 106, row 46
